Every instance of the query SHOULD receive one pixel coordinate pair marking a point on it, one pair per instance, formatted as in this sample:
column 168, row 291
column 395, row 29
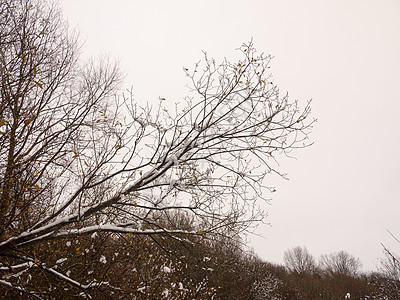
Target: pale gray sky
column 343, row 192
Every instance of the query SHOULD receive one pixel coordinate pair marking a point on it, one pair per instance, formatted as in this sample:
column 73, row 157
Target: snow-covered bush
column 267, row 288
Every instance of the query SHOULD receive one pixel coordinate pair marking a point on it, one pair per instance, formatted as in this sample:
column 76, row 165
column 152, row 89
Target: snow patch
column 103, row 259
column 61, row 260
column 165, row 293
column 166, row 269
column 174, row 160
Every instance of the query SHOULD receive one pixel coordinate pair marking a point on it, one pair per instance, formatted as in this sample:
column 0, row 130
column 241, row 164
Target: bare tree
column 299, row 260
column 390, row 266
column 49, row 109
column 388, row 277
column 78, row 157
column 340, row 263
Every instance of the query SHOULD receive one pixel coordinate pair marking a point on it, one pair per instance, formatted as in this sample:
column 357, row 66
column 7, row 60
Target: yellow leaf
column 37, row 187
column 116, row 146
column 129, row 233
column 38, row 83
column 2, row 122
column 27, row 121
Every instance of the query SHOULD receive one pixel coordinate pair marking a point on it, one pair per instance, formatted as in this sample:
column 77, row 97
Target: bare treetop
column 78, row 156
column 341, row 263
column 299, row 260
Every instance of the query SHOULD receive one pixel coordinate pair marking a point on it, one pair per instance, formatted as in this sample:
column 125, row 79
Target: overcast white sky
column 344, row 192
